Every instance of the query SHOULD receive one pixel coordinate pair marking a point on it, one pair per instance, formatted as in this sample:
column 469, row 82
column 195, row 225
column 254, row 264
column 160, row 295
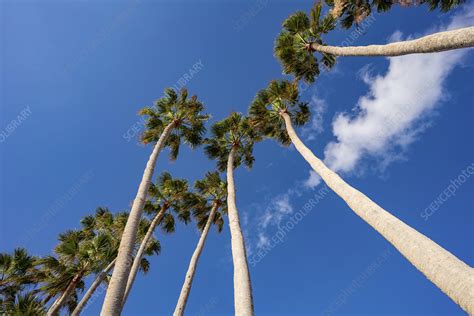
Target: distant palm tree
column 79, row 254
column 165, row 197
column 302, row 36
column 209, row 203
column 276, row 109
column 103, row 221
column 174, row 117
column 17, row 270
column 24, row 304
column 231, row 144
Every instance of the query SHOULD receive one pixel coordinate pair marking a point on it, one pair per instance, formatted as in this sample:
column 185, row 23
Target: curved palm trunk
column 188, row 280
column 115, row 292
column 141, row 250
column 98, row 280
column 438, row 42
column 451, row 275
column 56, row 306
column 243, row 300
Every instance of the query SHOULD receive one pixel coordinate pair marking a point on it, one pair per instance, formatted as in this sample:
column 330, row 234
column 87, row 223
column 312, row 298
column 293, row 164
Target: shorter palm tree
column 24, row 304
column 231, row 144
column 164, row 198
column 103, row 221
column 301, row 37
column 208, row 203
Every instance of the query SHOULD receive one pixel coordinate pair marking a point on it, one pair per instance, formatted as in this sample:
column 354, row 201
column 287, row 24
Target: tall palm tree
column 231, row 144
column 276, row 109
column 174, row 117
column 104, row 221
column 301, row 38
column 208, row 203
column 166, row 197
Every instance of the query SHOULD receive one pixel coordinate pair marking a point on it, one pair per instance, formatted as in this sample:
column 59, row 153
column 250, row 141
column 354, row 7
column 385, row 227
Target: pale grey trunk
column 114, row 296
column 451, row 275
column 188, row 280
column 56, row 306
column 243, row 300
column 141, row 250
column 437, row 42
column 98, row 280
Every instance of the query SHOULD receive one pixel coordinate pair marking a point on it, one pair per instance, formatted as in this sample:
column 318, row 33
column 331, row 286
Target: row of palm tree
column 272, row 114
column 112, row 247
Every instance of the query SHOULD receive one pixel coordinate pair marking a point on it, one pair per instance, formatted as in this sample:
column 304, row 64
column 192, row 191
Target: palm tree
column 355, row 11
column 231, row 144
column 79, row 254
column 210, row 197
column 276, row 109
column 24, row 304
column 104, row 221
column 173, row 117
column 301, row 38
column 17, row 271
column 166, row 196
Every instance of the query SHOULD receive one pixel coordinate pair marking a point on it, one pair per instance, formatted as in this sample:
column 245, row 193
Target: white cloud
column 394, row 111
column 318, row 108
column 279, row 207
column 313, row 180
column 262, row 241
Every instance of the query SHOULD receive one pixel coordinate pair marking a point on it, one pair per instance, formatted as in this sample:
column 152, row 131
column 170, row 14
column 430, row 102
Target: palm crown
column 235, row 132
column 355, row 11
column 266, row 109
column 183, row 113
column 293, row 44
column 168, row 194
column 209, row 192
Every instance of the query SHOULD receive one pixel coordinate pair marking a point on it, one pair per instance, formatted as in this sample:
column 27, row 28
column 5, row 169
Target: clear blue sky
column 84, row 68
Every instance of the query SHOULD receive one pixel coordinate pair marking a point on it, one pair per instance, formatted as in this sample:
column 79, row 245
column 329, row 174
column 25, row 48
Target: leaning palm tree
column 231, row 144
column 174, row 117
column 104, row 221
column 301, row 37
column 166, row 197
column 208, row 203
column 276, row 109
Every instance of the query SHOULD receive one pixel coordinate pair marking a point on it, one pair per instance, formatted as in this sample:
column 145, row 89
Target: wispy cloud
column 397, row 107
column 318, row 107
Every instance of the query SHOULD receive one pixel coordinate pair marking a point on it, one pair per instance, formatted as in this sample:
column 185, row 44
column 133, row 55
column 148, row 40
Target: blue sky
column 399, row 130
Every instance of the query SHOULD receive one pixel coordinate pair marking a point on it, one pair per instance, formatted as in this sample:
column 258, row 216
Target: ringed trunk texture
column 243, row 300
column 188, row 280
column 98, row 280
column 141, row 250
column 54, row 309
column 448, row 273
column 437, row 42
column 114, row 296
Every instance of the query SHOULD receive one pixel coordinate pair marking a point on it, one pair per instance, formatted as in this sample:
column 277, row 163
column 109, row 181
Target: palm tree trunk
column 448, row 273
column 243, row 300
column 437, row 42
column 188, row 280
column 141, row 250
column 114, row 296
column 98, row 280
column 56, row 306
